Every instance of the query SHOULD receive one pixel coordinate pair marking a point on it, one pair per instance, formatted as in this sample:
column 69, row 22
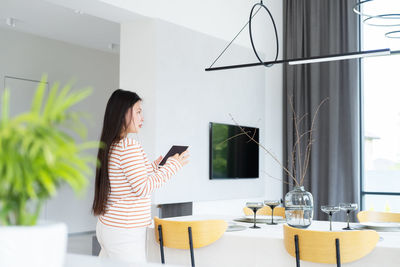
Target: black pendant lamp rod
column 293, row 61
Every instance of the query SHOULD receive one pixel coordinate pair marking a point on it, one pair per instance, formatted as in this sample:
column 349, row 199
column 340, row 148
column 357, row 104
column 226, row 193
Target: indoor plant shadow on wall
column 38, row 155
column 298, row 202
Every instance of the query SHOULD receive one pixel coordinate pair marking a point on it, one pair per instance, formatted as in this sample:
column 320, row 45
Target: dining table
column 242, row 246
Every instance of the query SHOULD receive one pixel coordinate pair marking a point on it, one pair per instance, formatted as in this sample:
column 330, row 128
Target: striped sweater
column 132, row 180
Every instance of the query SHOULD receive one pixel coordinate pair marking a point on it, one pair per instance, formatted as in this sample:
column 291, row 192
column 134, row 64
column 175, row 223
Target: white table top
column 388, row 239
column 252, row 247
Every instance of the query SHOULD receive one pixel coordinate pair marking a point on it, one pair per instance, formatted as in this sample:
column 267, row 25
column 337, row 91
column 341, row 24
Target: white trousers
column 122, row 244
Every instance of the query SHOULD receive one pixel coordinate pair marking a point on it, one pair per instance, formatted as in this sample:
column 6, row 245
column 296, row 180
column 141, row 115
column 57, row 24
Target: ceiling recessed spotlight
column 11, row 22
column 78, row 11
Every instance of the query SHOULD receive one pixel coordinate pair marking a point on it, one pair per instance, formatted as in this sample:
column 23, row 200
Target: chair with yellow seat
column 278, row 211
column 187, row 234
column 328, row 247
column 378, row 216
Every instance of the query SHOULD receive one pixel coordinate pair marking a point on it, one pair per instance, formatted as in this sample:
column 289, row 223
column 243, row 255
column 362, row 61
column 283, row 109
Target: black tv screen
column 233, row 157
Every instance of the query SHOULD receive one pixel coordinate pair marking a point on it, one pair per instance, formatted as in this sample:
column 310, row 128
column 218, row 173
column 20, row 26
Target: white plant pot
column 43, row 245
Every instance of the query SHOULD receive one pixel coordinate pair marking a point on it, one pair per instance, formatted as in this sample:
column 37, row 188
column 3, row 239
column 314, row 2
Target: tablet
column 173, row 151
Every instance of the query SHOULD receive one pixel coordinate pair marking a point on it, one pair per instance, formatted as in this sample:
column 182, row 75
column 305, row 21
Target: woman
column 125, row 180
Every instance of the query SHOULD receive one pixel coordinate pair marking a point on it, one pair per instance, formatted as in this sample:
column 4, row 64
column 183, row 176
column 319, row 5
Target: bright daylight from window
column 381, row 96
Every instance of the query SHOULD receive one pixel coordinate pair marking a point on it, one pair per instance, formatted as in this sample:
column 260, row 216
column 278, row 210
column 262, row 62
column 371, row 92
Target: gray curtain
column 313, row 28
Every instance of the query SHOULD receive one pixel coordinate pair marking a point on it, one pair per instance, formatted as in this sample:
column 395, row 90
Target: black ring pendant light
column 261, row 4
column 392, row 19
column 357, row 8
column 383, row 17
column 298, row 61
column 393, row 34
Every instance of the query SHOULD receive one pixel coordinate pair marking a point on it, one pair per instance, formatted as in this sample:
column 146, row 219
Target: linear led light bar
column 372, row 53
column 296, row 61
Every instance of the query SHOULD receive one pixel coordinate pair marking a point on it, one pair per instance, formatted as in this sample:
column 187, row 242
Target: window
column 380, row 79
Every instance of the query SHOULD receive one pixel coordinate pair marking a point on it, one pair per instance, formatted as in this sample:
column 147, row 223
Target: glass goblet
column 254, row 206
column 272, row 204
column 348, row 207
column 330, row 210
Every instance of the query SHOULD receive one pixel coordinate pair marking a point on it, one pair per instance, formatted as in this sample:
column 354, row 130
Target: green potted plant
column 37, row 155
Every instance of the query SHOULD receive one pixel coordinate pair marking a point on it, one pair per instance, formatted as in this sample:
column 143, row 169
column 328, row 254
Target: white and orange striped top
column 132, row 180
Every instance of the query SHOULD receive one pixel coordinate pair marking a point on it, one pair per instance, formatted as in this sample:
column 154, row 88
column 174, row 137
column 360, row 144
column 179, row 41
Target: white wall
column 221, row 19
column 165, row 64
column 28, row 56
column 274, row 117
column 273, row 132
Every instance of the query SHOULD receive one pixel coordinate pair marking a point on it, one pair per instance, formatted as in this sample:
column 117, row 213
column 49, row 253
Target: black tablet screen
column 173, row 151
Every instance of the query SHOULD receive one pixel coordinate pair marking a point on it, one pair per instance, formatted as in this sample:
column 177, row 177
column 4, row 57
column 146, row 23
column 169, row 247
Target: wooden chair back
column 175, row 233
column 377, row 216
column 278, row 211
column 320, row 246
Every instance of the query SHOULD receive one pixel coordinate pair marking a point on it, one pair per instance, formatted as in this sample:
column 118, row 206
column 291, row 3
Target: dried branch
column 308, row 149
column 254, row 134
column 297, row 154
column 294, row 118
column 296, row 126
column 294, row 155
column 302, row 117
column 306, row 160
column 281, row 180
column 293, row 161
column 294, row 150
column 266, row 150
column 236, row 135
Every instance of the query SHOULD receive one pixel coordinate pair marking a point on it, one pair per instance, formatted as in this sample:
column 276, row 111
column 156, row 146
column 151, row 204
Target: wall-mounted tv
column 233, row 158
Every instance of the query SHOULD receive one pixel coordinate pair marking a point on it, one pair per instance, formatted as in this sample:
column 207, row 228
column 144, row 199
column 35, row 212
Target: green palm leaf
column 4, row 104
column 38, row 98
column 38, row 153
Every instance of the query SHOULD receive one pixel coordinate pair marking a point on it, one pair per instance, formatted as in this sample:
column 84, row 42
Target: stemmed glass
column 254, row 206
column 272, row 204
column 348, row 207
column 330, row 210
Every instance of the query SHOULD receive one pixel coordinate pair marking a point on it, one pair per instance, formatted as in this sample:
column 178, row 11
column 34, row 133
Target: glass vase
column 299, row 206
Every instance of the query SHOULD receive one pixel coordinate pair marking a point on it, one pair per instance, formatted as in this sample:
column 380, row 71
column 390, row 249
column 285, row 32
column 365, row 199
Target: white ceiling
column 99, row 24
column 219, row 18
column 40, row 17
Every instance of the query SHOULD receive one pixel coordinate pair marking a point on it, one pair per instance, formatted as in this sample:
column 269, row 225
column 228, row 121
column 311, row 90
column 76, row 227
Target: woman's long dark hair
column 114, row 124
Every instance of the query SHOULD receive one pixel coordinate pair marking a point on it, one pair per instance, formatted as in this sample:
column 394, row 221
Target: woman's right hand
column 183, row 158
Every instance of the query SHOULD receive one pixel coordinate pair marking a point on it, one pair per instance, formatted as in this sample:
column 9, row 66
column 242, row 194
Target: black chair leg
column 191, row 245
column 338, row 263
column 160, row 238
column 297, row 250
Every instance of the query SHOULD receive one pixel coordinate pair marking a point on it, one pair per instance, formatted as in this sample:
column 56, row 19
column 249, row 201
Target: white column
column 138, row 73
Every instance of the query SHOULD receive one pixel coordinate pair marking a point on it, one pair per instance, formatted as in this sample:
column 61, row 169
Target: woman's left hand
column 157, row 161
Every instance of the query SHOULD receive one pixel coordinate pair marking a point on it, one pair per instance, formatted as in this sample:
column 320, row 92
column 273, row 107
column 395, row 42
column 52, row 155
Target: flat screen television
column 233, row 157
